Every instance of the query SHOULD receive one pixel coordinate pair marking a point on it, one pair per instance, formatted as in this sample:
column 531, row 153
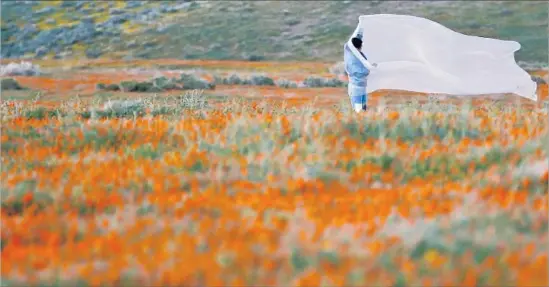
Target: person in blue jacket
column 358, row 68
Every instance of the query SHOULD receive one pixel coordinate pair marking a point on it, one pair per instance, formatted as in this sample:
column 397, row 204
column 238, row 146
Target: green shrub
column 262, row 81
column 283, row 83
column 128, row 86
column 163, row 111
column 159, row 84
column 140, row 87
column 233, row 80
column 10, row 84
column 110, row 87
column 315, row 82
column 39, row 113
column 147, row 87
column 164, row 83
column 191, row 82
column 253, row 81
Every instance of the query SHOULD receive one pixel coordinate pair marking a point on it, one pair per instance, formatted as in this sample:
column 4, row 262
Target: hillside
column 252, row 30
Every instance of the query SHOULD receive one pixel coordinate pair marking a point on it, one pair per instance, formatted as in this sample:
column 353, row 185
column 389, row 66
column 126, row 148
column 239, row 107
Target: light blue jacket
column 357, row 65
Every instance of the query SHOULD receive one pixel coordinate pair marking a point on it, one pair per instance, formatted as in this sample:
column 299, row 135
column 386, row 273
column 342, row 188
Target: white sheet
column 419, row 55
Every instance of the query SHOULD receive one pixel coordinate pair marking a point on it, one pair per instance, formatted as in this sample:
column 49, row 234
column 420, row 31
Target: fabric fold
column 419, row 55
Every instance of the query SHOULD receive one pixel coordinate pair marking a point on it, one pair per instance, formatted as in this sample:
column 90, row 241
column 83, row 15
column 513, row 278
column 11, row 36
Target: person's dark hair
column 357, row 43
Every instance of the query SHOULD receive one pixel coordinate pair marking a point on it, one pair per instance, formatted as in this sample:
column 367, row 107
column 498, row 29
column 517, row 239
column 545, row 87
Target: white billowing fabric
column 419, row 55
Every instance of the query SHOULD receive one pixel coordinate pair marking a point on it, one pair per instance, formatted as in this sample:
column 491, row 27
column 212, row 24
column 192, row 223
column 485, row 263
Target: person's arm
column 358, row 34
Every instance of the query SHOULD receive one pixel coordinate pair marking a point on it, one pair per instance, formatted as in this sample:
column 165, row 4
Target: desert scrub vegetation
column 108, row 87
column 169, row 106
column 287, row 84
column 316, row 82
column 261, row 193
column 254, row 80
column 9, row 84
column 262, row 80
column 160, row 84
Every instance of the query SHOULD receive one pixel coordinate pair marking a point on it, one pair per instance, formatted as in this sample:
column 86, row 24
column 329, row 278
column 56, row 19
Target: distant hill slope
column 252, row 30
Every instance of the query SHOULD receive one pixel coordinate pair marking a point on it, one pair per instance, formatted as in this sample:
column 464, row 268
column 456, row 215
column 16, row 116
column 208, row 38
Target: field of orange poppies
column 272, row 191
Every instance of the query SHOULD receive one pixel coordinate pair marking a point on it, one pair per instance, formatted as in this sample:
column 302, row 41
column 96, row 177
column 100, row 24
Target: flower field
column 145, row 144
column 256, row 193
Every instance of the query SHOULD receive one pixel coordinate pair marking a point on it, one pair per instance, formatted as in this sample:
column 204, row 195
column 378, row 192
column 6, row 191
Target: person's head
column 357, row 43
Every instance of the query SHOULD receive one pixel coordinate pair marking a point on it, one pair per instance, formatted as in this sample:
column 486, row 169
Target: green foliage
column 298, row 261
column 147, row 152
column 160, row 84
column 163, row 111
column 9, row 84
column 192, row 101
column 14, row 203
column 262, row 81
column 233, row 80
column 191, row 82
column 315, row 82
column 129, row 86
column 110, row 87
column 164, row 83
column 140, row 87
column 39, row 113
column 283, row 83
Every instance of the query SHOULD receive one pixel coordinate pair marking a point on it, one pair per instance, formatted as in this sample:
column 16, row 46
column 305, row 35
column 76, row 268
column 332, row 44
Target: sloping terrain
column 248, row 30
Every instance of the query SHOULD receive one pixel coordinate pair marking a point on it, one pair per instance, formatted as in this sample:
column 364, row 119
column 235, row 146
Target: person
column 357, row 68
